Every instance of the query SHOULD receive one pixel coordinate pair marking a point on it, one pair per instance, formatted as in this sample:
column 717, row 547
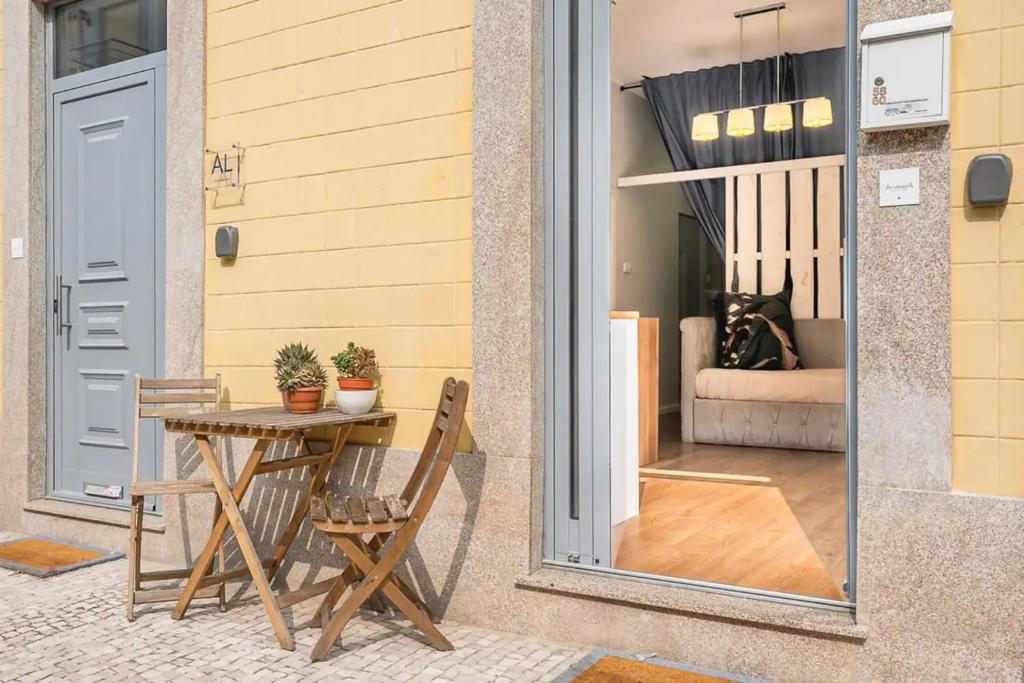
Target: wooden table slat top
column 271, row 418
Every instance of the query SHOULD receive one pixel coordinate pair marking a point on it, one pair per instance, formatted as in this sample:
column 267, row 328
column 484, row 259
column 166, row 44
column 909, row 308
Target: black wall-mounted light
column 227, row 242
column 988, row 180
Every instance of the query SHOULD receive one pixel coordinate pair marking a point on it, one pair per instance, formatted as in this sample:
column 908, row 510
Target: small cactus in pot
column 301, row 378
column 357, row 373
column 357, row 367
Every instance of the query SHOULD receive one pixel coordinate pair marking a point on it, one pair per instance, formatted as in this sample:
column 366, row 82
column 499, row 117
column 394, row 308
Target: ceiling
column 659, row 37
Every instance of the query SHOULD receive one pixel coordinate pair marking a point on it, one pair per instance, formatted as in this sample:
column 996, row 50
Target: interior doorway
column 747, row 483
column 699, row 297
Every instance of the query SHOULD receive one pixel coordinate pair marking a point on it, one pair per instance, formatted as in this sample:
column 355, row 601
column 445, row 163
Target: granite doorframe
column 23, row 425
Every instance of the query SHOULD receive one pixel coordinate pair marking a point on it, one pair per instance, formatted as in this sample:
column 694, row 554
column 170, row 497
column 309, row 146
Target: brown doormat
column 43, row 556
column 620, row 670
column 610, row 666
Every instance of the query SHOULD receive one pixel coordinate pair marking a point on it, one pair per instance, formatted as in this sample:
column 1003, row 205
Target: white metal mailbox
column 905, row 65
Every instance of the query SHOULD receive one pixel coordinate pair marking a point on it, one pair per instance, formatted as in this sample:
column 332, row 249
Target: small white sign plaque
column 899, row 187
column 17, row 248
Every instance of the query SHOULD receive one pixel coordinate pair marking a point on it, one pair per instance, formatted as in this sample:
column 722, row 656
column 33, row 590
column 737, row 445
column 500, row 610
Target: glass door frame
column 577, row 518
column 577, row 187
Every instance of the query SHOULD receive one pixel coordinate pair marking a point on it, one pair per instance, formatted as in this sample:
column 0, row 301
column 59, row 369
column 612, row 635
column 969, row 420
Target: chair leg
column 377, row 576
column 346, row 579
column 134, row 553
column 374, row 546
column 222, row 593
column 410, row 606
column 350, row 575
column 418, row 616
column 375, row 602
column 337, row 623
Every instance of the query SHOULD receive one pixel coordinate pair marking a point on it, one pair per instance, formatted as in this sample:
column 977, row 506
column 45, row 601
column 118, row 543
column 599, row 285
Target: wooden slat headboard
column 764, row 232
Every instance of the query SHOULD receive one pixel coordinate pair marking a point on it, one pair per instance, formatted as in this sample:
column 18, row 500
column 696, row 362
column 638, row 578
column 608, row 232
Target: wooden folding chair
column 161, row 398
column 392, row 525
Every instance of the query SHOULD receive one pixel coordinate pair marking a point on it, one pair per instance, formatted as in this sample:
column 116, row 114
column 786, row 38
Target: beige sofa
column 779, row 409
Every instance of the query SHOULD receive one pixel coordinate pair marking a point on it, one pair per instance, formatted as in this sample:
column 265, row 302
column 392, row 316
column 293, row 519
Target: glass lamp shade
column 778, row 117
column 817, row 112
column 704, row 128
column 740, row 123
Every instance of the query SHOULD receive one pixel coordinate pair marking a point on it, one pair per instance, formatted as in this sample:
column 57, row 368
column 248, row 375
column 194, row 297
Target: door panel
column 105, row 223
column 101, row 418
column 97, row 180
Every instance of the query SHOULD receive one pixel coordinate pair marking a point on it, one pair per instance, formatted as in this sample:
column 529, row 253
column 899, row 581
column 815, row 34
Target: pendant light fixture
column 817, row 112
column 704, row 127
column 778, row 117
column 740, row 122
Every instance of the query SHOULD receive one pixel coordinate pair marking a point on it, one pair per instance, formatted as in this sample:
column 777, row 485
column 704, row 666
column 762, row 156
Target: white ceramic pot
column 357, row 402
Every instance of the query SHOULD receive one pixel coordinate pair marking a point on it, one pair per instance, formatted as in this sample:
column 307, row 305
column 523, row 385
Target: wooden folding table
column 266, row 425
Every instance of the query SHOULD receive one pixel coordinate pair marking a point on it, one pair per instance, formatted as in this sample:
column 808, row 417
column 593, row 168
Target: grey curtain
column 677, row 98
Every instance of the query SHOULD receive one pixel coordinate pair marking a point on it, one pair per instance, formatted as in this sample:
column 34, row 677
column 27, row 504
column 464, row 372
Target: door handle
column 60, row 304
column 56, row 305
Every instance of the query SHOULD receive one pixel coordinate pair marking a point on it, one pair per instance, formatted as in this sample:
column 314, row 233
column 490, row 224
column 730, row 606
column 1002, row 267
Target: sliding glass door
column 699, row 303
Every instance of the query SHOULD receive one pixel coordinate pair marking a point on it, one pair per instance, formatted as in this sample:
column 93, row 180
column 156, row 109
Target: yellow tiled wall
column 988, row 251
column 355, row 223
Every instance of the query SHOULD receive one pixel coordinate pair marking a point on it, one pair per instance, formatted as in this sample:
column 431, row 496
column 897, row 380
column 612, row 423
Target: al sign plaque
column 224, row 169
column 905, row 72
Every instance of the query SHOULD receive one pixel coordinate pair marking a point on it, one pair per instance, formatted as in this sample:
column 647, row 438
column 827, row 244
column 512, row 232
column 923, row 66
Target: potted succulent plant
column 357, row 374
column 300, row 378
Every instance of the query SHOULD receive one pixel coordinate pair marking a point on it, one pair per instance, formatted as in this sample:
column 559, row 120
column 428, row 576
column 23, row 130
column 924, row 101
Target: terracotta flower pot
column 302, row 401
column 355, row 384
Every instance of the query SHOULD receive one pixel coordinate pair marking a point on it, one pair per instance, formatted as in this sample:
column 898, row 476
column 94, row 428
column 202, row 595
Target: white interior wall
column 659, row 37
column 645, row 231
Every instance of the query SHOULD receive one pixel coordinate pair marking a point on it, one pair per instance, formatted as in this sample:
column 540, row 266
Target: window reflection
column 92, row 33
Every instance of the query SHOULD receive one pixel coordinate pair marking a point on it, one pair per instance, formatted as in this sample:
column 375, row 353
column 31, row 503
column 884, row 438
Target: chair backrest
column 160, row 398
column 436, row 457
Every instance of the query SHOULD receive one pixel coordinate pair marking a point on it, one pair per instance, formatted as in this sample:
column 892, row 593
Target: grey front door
column 106, row 221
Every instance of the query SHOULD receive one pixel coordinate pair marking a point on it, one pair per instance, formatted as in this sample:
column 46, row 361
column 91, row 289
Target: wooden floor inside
column 785, row 534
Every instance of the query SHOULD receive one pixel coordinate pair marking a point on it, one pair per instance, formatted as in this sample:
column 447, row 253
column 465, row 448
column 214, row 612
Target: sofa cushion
column 822, row 342
column 819, row 385
column 755, row 331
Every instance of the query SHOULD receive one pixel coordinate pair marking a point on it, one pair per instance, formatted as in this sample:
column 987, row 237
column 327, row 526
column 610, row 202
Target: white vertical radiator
column 624, row 428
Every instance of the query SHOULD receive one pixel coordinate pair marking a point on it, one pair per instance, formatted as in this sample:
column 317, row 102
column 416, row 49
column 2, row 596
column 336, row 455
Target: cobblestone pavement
column 72, row 627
